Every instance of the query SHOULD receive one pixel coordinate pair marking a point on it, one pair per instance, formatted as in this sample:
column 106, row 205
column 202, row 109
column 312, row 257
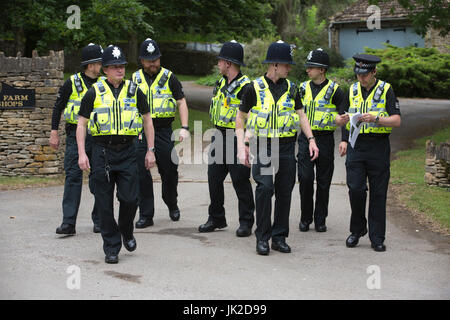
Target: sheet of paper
column 355, row 127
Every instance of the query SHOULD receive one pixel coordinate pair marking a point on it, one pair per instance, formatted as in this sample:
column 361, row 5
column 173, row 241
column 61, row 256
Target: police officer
column 369, row 159
column 68, row 101
column 226, row 100
column 164, row 93
column 112, row 107
column 324, row 103
column 275, row 111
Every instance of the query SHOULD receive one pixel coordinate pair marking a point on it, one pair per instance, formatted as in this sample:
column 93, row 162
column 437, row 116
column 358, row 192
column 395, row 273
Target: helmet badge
column 116, row 52
column 150, row 48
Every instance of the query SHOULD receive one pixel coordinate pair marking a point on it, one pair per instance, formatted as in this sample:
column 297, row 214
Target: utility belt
column 322, row 133
column 162, row 123
column 116, row 143
column 285, row 140
column 70, row 127
column 223, row 129
column 372, row 136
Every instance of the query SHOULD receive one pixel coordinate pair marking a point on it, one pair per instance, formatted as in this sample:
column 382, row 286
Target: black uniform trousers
column 166, row 168
column 219, row 166
column 369, row 160
column 324, row 165
column 269, row 181
column 74, row 179
column 113, row 167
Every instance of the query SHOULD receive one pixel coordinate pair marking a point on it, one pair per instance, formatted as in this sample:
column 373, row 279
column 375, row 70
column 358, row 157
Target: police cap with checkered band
column 364, row 63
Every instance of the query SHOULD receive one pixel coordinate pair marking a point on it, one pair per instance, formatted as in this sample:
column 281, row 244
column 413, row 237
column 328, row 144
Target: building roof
column 390, row 10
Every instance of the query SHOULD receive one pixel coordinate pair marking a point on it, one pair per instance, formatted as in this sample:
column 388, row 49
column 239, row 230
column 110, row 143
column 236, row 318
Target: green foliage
column 414, row 72
column 210, row 21
column 343, row 76
column 44, row 23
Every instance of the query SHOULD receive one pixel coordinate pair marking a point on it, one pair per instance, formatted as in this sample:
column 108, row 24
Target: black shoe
column 303, row 226
column 144, row 223
column 130, row 244
column 262, row 247
column 112, row 258
column 243, row 231
column 174, row 214
column 281, row 246
column 66, row 229
column 321, row 228
column 379, row 247
column 210, row 226
column 96, row 228
column 353, row 239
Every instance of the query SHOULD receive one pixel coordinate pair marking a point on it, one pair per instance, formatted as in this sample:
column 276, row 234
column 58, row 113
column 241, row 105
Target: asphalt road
column 174, row 261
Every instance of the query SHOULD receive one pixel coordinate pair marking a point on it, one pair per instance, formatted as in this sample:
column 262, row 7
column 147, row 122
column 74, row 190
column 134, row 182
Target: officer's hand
column 313, row 150
column 343, row 148
column 83, row 162
column 342, row 119
column 184, row 134
column 150, row 160
column 367, row 117
column 54, row 140
column 244, row 156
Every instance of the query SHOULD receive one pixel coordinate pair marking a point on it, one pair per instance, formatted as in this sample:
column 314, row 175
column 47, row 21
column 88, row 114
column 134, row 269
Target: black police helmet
column 113, row 55
column 149, row 50
column 279, row 52
column 318, row 58
column 232, row 51
column 364, row 63
column 91, row 53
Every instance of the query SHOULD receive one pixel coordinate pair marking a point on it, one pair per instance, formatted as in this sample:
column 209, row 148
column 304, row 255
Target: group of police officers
column 119, row 129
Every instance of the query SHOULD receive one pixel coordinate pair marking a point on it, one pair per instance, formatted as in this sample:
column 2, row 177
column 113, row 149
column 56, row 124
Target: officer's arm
column 306, row 128
column 61, row 101
column 83, row 160
column 184, row 117
column 149, row 130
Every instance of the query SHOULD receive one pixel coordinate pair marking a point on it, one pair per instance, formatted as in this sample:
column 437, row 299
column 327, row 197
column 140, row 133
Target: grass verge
column 14, row 183
column 431, row 204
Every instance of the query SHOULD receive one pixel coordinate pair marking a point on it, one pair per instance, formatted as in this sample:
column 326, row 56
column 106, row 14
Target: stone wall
column 437, row 164
column 24, row 133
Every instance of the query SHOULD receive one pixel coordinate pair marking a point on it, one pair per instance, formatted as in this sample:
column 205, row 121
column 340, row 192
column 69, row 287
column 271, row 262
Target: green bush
column 414, row 72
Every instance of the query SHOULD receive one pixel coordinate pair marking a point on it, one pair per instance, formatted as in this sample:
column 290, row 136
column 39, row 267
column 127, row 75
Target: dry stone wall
column 24, row 133
column 437, row 164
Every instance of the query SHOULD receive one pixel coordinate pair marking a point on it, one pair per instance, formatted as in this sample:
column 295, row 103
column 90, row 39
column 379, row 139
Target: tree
column 206, row 20
column 43, row 24
column 426, row 14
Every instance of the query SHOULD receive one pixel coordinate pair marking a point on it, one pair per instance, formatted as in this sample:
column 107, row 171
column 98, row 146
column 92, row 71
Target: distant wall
column 24, row 133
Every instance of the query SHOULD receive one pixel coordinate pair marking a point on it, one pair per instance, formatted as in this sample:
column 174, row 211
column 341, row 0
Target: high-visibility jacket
column 225, row 103
column 270, row 119
column 159, row 96
column 79, row 89
column 111, row 116
column 374, row 104
column 320, row 111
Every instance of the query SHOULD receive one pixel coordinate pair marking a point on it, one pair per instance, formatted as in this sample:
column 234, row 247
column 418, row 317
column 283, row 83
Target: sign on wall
column 13, row 98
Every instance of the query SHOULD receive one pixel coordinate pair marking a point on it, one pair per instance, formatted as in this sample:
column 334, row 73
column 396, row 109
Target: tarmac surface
column 174, row 261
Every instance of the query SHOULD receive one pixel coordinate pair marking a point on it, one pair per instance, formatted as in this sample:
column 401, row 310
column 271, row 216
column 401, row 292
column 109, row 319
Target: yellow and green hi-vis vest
column 159, row 96
column 112, row 116
column 270, row 119
column 320, row 111
column 79, row 89
column 225, row 103
column 374, row 104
